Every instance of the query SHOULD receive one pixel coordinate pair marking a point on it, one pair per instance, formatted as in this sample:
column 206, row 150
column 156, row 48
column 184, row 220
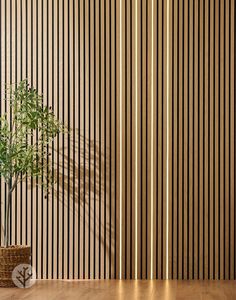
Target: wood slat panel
column 160, row 137
column 143, row 21
column 67, row 50
column 93, row 61
column 202, row 148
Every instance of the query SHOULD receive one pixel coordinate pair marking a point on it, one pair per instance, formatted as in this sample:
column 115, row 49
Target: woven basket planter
column 10, row 258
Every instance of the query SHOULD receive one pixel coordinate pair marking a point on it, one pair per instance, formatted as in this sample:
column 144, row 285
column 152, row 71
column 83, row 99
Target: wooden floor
column 121, row 289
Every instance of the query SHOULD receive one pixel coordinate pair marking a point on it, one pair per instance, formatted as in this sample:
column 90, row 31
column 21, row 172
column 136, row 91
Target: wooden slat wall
column 202, row 140
column 92, row 61
column 159, row 137
column 68, row 51
column 144, row 28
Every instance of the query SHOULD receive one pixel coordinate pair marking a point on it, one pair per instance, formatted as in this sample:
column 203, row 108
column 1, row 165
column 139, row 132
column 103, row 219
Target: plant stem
column 7, row 215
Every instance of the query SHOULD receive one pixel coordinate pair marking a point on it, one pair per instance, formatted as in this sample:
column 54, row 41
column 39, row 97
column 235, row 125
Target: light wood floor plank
column 124, row 289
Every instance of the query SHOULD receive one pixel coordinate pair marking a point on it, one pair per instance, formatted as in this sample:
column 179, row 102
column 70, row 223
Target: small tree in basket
column 25, row 133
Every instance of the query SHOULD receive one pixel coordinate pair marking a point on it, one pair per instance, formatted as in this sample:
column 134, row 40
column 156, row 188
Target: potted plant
column 25, row 134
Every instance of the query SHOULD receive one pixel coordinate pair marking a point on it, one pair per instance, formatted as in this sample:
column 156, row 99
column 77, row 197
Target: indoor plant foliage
column 25, row 134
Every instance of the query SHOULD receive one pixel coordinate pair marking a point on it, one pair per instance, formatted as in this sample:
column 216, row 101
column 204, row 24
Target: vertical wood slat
column 160, row 137
column 202, row 200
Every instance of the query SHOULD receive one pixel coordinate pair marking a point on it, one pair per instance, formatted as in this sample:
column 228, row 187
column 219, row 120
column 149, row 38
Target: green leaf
column 29, row 115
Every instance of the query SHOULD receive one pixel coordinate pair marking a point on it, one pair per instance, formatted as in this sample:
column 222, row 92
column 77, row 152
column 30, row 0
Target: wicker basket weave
column 10, row 258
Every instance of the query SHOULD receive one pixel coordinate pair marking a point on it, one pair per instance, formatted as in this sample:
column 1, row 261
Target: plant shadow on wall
column 84, row 175
column 80, row 175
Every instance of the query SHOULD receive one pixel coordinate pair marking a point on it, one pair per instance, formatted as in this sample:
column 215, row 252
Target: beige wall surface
column 150, row 159
column 202, row 140
column 92, row 61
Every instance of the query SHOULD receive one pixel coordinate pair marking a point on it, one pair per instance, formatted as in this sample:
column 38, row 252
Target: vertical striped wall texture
column 102, row 66
column 157, row 173
column 93, row 61
column 202, row 240
column 143, row 24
